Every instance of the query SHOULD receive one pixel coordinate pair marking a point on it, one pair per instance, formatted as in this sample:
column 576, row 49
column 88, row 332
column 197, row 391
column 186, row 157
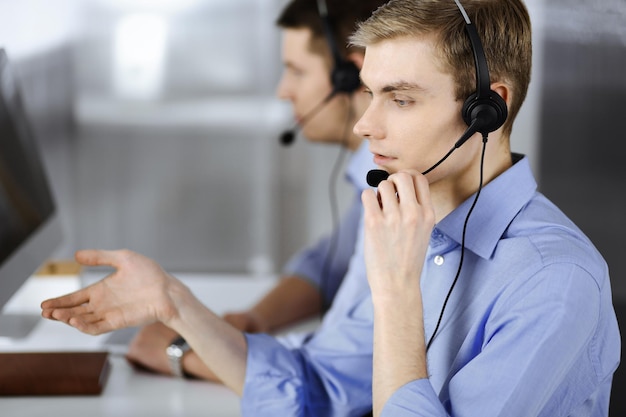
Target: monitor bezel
column 39, row 245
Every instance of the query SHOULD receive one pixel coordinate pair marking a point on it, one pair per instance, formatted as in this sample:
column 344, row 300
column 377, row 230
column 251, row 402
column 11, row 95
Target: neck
column 452, row 190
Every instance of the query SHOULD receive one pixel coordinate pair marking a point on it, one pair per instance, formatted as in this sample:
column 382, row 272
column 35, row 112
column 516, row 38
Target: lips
column 382, row 160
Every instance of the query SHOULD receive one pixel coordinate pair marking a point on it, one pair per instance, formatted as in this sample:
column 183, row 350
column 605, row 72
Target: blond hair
column 503, row 26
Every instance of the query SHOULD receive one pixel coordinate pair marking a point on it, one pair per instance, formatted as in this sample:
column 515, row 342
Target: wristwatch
column 175, row 352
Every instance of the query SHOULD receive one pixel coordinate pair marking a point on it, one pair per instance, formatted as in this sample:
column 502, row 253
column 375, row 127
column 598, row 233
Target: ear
column 504, row 90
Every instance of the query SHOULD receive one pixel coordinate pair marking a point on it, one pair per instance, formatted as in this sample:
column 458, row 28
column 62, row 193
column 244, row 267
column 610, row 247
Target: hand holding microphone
column 399, row 218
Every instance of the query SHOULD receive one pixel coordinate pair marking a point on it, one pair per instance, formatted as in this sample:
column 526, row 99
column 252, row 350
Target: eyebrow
column 400, row 86
column 289, row 64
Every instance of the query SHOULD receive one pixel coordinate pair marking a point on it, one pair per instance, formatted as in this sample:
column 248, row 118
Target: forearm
column 195, row 367
column 399, row 347
column 292, row 299
column 219, row 345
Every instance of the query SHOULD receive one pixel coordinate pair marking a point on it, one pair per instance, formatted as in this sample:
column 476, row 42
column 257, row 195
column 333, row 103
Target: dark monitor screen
column 29, row 225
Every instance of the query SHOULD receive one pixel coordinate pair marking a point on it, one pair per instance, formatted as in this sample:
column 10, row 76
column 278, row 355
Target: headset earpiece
column 345, row 76
column 490, row 111
column 485, row 110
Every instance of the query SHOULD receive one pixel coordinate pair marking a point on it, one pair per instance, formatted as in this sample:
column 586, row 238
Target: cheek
column 313, row 91
column 333, row 115
column 331, row 123
column 444, row 126
column 427, row 136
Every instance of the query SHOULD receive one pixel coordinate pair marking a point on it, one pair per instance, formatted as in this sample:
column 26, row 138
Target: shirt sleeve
column 330, row 375
column 543, row 350
column 325, row 263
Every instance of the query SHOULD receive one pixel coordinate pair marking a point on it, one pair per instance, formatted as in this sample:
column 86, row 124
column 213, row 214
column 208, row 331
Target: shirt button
column 438, row 260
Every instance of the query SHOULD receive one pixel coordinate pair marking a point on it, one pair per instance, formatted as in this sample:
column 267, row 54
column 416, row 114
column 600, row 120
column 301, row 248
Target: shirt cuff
column 273, row 384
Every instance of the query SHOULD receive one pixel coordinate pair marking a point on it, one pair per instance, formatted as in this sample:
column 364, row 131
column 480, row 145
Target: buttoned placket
column 437, row 276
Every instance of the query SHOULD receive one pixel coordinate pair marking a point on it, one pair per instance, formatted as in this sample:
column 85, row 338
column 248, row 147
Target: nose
column 369, row 126
column 283, row 90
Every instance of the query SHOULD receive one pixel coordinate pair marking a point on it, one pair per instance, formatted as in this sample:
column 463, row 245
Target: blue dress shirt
column 529, row 329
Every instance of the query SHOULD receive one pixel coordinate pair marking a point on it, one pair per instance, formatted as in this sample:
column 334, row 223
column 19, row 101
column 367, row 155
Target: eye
column 297, row 72
column 402, row 101
column 368, row 92
column 293, row 70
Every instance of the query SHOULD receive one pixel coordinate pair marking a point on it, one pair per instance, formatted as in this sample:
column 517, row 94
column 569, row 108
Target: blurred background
column 159, row 126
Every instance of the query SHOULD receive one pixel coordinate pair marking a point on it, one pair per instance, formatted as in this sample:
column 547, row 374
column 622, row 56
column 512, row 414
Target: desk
column 128, row 392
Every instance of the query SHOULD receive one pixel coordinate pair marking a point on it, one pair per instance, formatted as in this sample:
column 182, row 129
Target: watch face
column 175, row 351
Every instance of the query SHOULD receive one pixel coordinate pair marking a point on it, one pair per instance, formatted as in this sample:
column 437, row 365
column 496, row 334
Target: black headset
column 484, row 109
column 345, row 74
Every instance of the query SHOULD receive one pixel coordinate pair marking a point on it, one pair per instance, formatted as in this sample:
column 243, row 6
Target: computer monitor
column 30, row 229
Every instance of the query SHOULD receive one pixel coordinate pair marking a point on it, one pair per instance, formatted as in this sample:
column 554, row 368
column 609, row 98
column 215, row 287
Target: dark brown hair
column 344, row 16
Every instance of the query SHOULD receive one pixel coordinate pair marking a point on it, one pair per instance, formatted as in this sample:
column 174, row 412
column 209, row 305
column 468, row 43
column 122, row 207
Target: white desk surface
column 128, row 392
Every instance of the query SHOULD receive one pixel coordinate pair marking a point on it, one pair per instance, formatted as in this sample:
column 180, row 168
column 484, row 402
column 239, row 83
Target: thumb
column 94, row 257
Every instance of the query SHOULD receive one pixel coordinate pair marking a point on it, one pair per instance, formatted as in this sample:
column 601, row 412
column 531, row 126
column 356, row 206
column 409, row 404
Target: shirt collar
column 359, row 164
column 499, row 202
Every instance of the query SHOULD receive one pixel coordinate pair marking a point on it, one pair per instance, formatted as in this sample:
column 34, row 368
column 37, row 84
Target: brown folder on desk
column 53, row 373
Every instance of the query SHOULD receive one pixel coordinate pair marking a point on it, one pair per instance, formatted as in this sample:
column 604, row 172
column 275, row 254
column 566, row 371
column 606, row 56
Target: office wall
column 582, row 124
column 174, row 146
column 189, row 170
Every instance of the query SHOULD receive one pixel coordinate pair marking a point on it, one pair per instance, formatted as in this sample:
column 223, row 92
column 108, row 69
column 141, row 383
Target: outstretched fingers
column 74, row 299
column 91, row 324
column 82, row 318
column 65, row 314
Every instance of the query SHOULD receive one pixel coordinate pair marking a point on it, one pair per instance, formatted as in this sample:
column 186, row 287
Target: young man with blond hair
column 488, row 300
